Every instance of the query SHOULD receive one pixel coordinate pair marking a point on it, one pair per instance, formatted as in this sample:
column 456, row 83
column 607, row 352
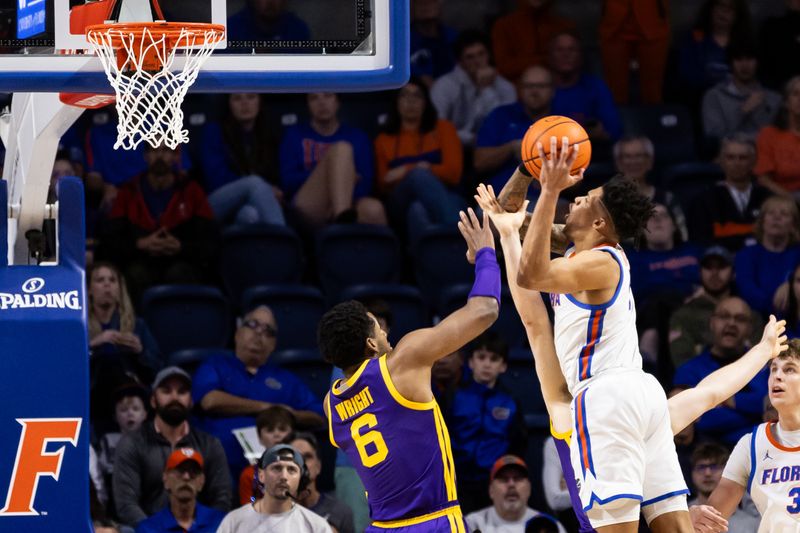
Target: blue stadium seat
column 688, row 180
column 440, row 261
column 187, row 316
column 189, row 360
column 352, row 254
column 669, row 126
column 259, row 254
column 297, row 310
column 520, row 378
column 408, row 309
column 308, row 366
column 508, row 324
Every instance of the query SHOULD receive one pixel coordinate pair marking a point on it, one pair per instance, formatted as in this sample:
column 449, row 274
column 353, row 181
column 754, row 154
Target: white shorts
column 622, row 449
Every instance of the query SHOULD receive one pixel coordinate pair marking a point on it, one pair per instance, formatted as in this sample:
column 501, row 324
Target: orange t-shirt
column 778, row 157
column 440, row 147
column 246, row 485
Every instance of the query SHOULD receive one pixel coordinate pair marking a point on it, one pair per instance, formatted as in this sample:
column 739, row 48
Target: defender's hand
column 477, row 236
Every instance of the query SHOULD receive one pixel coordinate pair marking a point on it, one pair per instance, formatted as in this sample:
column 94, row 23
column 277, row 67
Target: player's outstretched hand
column 477, row 236
column 774, row 338
column 507, row 223
column 707, row 519
column 555, row 175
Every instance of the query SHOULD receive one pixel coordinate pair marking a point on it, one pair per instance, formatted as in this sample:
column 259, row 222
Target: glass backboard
column 271, row 45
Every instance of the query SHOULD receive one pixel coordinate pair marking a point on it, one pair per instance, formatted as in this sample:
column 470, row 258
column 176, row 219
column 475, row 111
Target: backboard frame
column 387, row 67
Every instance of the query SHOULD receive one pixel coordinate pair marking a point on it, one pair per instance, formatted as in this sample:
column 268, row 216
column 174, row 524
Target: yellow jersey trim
column 339, row 386
column 448, row 466
column 387, row 379
column 330, row 419
column 566, row 436
column 454, row 512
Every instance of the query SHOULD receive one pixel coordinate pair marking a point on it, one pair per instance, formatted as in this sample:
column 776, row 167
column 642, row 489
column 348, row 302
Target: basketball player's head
column 348, row 334
column 784, row 378
column 616, row 212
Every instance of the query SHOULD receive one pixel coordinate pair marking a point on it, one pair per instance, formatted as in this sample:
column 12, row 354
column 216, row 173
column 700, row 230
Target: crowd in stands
column 383, row 177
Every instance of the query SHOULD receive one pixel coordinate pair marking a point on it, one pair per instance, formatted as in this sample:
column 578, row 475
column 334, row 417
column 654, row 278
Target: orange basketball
column 558, row 127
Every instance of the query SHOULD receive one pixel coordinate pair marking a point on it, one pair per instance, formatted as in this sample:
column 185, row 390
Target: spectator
column 446, row 375
column 739, row 104
column 702, row 54
column 232, row 390
column 777, row 166
column 542, row 524
column 326, row 168
column 762, row 267
column 120, row 343
column 130, row 411
column 138, row 486
column 104, row 525
column 497, row 147
column 509, row 490
column 708, row 462
column 726, row 213
column 520, row 38
column 688, row 325
column 267, row 20
column 239, row 156
column 161, row 226
column 325, row 505
column 634, row 156
column 730, row 329
column 274, row 425
column 788, row 303
column 419, row 161
column 466, row 94
column 779, row 46
column 431, row 50
column 282, row 472
column 183, row 480
column 635, row 30
column 487, row 420
column 579, row 95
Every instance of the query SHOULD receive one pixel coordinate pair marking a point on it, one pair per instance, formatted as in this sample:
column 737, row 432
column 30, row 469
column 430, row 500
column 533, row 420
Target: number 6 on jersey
column 370, row 437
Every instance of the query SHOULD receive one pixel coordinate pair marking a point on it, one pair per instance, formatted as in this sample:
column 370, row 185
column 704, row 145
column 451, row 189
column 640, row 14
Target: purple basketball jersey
column 562, row 446
column 400, row 448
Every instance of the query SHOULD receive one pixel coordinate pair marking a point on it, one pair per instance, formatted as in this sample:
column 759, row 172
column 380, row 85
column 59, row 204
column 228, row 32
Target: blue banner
column 30, row 18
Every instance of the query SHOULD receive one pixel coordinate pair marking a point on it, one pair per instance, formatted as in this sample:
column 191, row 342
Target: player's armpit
column 585, row 271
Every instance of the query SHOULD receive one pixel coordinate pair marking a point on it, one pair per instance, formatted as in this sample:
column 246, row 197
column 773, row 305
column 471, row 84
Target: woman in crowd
column 777, row 166
column 239, row 158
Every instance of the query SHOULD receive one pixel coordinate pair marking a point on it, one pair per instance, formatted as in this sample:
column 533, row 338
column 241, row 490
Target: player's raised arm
column 531, row 310
column 423, row 347
column 688, row 405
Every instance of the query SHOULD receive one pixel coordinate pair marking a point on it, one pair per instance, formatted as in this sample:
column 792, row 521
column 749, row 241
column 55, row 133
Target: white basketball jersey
column 774, row 482
column 592, row 339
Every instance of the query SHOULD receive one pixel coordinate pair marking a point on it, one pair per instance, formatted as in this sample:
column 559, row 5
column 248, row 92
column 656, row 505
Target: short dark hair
column 430, row 117
column 491, row 341
column 273, row 416
column 310, row 439
column 710, row 451
column 629, row 209
column 468, row 38
column 343, row 332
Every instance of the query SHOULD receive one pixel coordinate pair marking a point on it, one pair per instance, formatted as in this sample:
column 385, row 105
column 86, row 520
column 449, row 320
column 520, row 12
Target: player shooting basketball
column 383, row 415
column 684, row 408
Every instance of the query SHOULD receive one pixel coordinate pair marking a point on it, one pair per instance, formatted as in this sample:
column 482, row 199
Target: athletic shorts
column 446, row 521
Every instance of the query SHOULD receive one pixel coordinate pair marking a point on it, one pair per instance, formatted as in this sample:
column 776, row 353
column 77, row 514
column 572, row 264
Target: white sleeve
column 737, row 468
column 552, row 476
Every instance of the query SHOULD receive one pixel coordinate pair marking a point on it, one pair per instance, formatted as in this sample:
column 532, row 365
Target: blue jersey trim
column 752, row 458
column 595, row 307
column 665, row 496
column 595, row 499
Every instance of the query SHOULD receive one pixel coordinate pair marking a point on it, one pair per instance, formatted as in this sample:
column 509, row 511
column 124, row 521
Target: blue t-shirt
column 432, row 56
column 589, row 100
column 673, row 270
column 723, row 422
column 287, row 27
column 302, row 148
column 760, row 272
column 503, row 124
column 269, row 384
column 206, row 520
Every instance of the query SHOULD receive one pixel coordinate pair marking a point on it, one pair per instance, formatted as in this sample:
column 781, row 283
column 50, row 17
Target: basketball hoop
column 139, row 60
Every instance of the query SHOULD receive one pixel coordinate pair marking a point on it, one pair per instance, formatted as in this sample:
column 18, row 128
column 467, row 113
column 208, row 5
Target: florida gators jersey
column 771, row 472
column 400, row 449
column 591, row 339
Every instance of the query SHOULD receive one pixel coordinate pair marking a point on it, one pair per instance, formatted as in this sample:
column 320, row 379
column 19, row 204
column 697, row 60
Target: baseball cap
column 280, row 452
column 505, row 461
column 181, row 455
column 717, row 251
column 171, row 371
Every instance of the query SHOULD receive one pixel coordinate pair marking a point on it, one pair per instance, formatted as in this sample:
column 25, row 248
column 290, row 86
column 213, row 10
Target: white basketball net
column 149, row 103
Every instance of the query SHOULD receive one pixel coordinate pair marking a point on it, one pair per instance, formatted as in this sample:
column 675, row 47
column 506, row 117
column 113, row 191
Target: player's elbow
column 486, row 310
column 208, row 402
column 525, row 277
